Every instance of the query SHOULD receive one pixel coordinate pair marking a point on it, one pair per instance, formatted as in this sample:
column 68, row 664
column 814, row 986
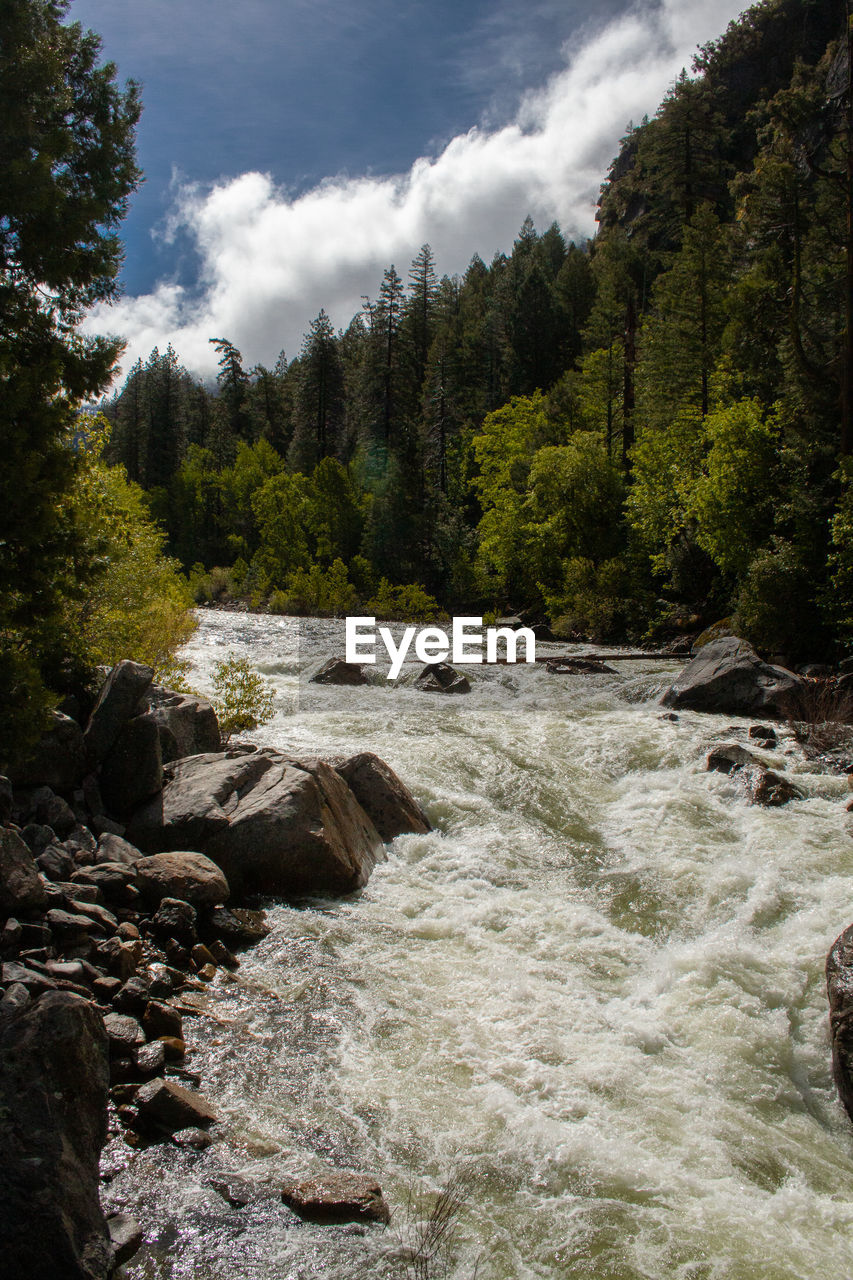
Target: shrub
column 242, row 699
column 409, row 603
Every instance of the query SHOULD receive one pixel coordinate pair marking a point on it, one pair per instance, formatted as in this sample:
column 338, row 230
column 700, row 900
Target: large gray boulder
column 839, row 990
column 132, row 769
column 57, row 761
column 54, row 1078
column 385, row 799
column 728, row 677
column 272, row 824
column 21, row 888
column 117, row 702
column 187, row 724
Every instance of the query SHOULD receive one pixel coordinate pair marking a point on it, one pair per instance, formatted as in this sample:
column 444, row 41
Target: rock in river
column 272, row 824
column 728, row 677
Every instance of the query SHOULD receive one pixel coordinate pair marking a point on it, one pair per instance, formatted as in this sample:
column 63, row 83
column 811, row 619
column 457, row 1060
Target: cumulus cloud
column 270, row 261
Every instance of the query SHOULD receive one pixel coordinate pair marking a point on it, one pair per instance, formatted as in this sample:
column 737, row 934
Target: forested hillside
column 632, row 436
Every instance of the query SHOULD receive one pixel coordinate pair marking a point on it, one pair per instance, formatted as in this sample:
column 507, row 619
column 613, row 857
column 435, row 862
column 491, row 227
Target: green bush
column 776, row 608
column 242, row 699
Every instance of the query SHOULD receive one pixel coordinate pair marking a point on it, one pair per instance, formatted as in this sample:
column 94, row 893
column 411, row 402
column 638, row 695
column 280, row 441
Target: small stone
column 81, row 839
column 102, row 921
column 151, row 1058
column 105, row 988
column 337, row 1197
column 177, row 955
column 207, row 972
column 175, row 918
column 194, row 1139
column 133, row 996
column 10, row 935
column 50, row 810
column 56, row 863
column 238, row 925
column 200, row 956
column 124, row 1034
column 162, row 1020
column 68, row 923
column 166, row 1105
column 15, row 1000
column 160, row 984
column 125, row 1236
column 174, row 1048
column 127, row 931
column 37, row 837
column 221, row 955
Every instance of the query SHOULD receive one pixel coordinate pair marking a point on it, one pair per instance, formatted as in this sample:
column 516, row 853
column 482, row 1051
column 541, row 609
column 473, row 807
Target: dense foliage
column 627, row 436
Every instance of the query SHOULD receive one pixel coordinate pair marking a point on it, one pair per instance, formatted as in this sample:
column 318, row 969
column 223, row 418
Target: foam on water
column 596, row 989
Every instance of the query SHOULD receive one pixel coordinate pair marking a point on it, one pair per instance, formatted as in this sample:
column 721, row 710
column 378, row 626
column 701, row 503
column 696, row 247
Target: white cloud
column 270, row 262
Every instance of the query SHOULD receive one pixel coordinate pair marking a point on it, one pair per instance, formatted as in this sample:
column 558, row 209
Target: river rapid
column 594, row 994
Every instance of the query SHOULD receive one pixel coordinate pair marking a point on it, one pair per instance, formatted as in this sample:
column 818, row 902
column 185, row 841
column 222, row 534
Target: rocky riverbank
column 125, row 850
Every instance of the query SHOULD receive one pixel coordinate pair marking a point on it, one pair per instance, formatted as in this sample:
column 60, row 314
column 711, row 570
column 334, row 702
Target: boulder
column 21, row 888
column 839, row 990
column 440, row 677
column 727, row 677
column 770, row 789
column 54, row 1077
column 273, row 825
column 58, row 760
column 729, row 757
column 163, row 1104
column 189, row 876
column 125, row 1236
column 579, row 666
column 240, row 926
column 50, row 810
column 337, row 1197
column 385, row 799
column 6, row 800
column 117, row 702
column 336, row 671
column 132, row 769
column 186, row 723
column 112, row 848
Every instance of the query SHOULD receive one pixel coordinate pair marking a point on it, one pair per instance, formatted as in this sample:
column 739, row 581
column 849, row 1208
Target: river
column 594, row 996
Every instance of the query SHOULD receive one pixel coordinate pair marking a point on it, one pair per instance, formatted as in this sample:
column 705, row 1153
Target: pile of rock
column 117, row 874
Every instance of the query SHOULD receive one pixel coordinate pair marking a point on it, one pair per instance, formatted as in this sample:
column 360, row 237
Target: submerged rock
column 337, row 1197
column 337, row 671
column 272, row 825
column 440, row 677
column 54, row 1078
column 165, row 1105
column 728, row 677
column 763, row 786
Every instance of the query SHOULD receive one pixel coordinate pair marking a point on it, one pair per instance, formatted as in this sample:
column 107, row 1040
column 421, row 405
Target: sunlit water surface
column 594, row 992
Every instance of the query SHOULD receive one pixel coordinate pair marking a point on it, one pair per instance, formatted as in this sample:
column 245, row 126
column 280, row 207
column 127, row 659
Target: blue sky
column 292, row 150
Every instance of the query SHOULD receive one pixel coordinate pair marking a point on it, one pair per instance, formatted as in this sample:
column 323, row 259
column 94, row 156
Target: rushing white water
column 596, row 990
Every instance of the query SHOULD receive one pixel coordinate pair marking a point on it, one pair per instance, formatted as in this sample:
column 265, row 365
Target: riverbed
column 593, row 996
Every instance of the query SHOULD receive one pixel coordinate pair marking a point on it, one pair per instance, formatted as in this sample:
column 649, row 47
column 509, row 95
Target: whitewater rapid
column 594, row 993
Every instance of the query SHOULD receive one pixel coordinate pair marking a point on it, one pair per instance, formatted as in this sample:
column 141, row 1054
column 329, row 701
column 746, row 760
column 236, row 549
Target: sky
column 294, row 149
